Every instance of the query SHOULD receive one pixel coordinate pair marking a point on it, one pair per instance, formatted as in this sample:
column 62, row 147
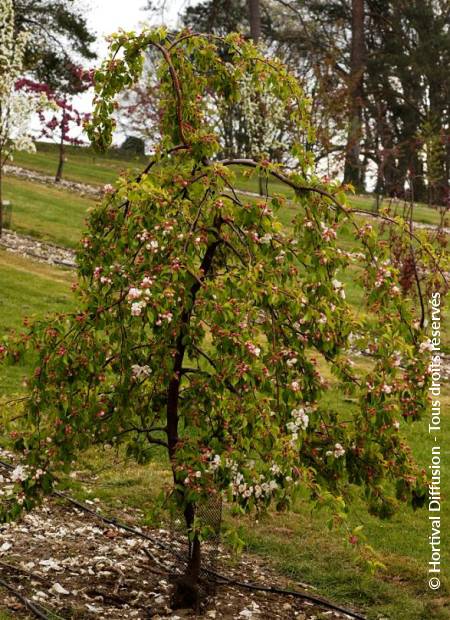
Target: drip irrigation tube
column 37, row 610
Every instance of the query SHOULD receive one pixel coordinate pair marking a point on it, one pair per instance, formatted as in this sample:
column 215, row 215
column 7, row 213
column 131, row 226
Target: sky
column 107, row 16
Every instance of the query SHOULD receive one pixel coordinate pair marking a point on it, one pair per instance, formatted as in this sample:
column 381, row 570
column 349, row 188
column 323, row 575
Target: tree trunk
column 254, row 14
column 254, row 11
column 59, row 171
column 194, row 564
column 187, row 592
column 417, row 176
column 352, row 168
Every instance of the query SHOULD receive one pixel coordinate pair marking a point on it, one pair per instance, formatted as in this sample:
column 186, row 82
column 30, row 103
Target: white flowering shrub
column 265, row 120
column 16, row 107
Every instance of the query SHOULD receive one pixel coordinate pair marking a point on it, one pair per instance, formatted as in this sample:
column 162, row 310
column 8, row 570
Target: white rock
column 58, row 589
column 93, row 609
column 50, row 564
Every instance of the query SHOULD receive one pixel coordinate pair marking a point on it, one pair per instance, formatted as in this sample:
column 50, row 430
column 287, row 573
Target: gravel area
column 37, row 250
column 67, row 560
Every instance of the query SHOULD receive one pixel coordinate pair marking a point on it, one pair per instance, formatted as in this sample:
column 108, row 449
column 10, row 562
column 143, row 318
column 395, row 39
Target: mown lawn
column 247, row 180
column 28, row 289
column 48, row 213
column 297, row 542
column 82, row 164
column 85, row 165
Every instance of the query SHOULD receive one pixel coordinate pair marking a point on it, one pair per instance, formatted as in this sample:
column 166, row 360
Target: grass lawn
column 298, row 543
column 86, row 166
column 29, row 289
column 422, row 213
column 51, row 214
column 82, row 163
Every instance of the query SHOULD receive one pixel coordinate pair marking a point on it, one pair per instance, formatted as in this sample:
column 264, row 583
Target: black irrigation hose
column 35, row 609
column 217, row 576
column 222, row 579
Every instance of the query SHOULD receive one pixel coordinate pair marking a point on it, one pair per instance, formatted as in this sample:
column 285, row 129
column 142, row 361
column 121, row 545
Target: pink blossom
column 134, row 293
column 295, row 386
column 252, row 348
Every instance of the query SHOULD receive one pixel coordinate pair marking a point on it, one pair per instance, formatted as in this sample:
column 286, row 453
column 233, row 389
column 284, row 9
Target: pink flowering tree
column 62, row 122
column 208, row 330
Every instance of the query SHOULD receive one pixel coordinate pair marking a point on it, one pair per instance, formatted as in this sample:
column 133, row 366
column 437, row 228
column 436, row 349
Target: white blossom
column 134, row 293
column 152, row 246
column 266, row 239
column 215, row 463
column 295, row 386
column 265, row 117
column 339, row 287
column 140, row 371
column 19, row 474
column 425, row 346
column 137, row 307
column 338, row 451
column 253, row 349
column 301, row 418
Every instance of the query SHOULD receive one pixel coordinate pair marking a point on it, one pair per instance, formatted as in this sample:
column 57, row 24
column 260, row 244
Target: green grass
column 421, row 213
column 29, row 289
column 82, row 163
column 247, row 180
column 302, row 547
column 49, row 213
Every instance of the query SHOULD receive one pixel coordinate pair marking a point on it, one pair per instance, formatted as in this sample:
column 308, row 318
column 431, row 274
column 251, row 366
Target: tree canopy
column 59, row 38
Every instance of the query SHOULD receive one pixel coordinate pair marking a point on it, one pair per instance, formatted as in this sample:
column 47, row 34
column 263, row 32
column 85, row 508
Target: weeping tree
column 208, row 330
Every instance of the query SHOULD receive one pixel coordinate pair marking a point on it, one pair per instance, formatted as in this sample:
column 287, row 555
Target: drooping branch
column 347, row 210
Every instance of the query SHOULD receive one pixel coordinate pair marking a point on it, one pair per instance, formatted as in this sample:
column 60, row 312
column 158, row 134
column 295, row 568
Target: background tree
column 59, row 39
column 254, row 10
column 139, row 107
column 133, row 146
column 63, row 123
column 373, row 108
column 201, row 320
column 352, row 167
column 413, row 50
